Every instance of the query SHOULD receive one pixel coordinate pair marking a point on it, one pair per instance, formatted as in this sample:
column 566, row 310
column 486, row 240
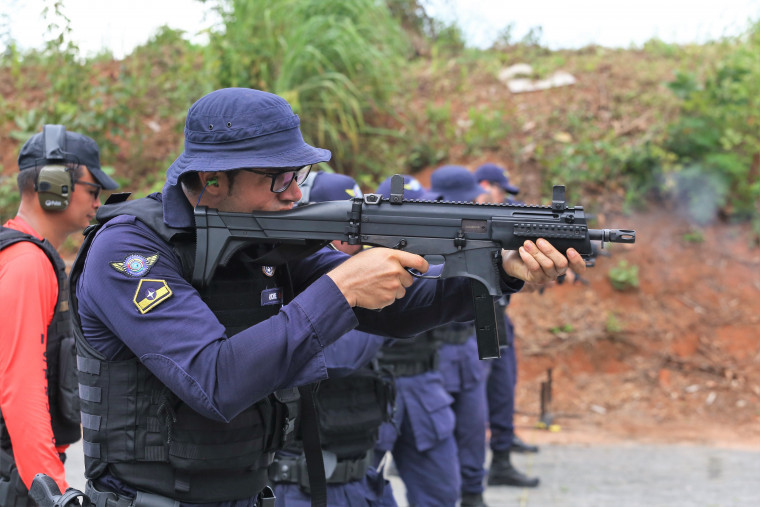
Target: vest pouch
column 68, row 382
column 285, row 412
column 350, row 410
column 196, row 443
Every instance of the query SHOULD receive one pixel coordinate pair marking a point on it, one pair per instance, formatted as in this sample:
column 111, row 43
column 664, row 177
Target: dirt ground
column 675, row 360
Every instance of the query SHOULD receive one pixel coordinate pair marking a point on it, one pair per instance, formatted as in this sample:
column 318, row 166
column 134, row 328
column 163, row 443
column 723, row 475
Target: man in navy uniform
column 421, row 436
column 463, row 374
column 352, row 403
column 502, row 372
column 187, row 391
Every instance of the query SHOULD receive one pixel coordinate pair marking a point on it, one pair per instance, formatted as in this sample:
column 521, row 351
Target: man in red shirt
column 59, row 182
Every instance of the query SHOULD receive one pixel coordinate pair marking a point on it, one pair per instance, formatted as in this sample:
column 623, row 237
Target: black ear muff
column 54, row 186
column 55, row 182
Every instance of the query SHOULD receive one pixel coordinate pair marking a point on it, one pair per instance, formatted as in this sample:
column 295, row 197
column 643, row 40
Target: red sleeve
column 28, row 294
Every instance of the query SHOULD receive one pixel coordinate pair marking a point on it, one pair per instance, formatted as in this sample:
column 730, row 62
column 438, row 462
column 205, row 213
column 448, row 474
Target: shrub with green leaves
column 718, row 133
column 624, row 276
column 335, row 61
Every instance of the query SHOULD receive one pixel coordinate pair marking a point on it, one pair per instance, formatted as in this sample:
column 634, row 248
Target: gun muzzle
column 612, row 235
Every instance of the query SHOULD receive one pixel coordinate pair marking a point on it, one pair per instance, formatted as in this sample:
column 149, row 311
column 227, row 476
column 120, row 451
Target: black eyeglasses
column 282, row 179
column 94, row 193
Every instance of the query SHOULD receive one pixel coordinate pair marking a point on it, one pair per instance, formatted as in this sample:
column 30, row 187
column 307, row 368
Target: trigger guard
column 417, row 274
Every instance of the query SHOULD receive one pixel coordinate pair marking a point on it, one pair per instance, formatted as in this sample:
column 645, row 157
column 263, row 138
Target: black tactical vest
column 351, row 410
column 61, row 375
column 407, row 358
column 60, row 352
column 142, row 433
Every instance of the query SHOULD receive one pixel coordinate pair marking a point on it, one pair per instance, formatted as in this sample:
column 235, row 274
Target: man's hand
column 540, row 262
column 376, row 277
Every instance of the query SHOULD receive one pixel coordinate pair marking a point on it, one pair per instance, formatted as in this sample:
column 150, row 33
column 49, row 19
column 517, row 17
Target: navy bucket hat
column 333, row 187
column 413, row 189
column 233, row 128
column 455, row 183
column 497, row 176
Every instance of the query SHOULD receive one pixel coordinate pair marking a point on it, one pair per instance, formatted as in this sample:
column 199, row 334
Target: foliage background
column 389, row 89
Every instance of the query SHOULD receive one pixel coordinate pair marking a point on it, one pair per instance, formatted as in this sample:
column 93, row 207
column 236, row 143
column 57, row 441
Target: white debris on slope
column 514, row 78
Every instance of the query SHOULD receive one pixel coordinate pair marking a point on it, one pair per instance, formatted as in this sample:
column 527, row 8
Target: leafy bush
column 564, row 328
column 612, row 324
column 335, row 61
column 9, row 197
column 718, row 133
column 694, row 236
column 486, row 129
column 624, row 277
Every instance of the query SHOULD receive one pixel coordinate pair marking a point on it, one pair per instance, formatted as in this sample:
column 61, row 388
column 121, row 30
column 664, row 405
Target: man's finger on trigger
column 406, row 279
column 414, row 261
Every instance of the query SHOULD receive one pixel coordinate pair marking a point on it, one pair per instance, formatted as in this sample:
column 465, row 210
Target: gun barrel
column 612, row 235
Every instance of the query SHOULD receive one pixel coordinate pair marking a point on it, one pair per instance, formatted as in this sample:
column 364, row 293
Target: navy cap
column 455, row 183
column 497, row 176
column 333, row 187
column 234, row 128
column 413, row 189
column 71, row 148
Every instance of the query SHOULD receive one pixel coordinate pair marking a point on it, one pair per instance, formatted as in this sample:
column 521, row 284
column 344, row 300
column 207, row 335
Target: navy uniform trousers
column 421, row 440
column 465, row 381
column 501, row 377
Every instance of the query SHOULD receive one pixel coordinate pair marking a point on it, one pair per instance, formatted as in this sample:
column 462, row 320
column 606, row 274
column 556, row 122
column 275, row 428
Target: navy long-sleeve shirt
column 183, row 343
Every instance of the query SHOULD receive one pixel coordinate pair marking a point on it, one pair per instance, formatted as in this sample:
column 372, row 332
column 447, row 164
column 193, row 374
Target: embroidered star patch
column 151, row 293
column 135, row 264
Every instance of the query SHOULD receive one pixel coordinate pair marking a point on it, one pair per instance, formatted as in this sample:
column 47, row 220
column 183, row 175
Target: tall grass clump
column 336, row 62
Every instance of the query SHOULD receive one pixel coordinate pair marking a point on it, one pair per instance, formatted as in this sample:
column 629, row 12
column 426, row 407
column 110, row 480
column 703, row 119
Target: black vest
column 408, row 358
column 135, row 427
column 60, row 352
column 350, row 411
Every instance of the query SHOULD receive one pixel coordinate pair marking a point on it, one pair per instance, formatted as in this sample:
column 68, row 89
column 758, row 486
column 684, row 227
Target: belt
column 411, row 368
column 99, row 498
column 111, row 499
column 454, row 336
column 293, row 470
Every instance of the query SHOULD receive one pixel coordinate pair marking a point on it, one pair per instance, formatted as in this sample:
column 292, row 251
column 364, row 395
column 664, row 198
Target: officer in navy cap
column 463, row 375
column 413, row 189
column 59, row 182
column 352, row 403
column 495, row 180
column 421, row 436
column 188, row 390
column 502, row 372
column 456, row 183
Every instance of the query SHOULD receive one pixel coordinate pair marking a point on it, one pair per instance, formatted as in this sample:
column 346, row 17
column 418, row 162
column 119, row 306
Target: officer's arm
column 159, row 317
column 28, row 294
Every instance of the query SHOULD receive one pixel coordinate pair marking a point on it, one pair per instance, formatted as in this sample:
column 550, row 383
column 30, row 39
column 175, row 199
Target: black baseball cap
column 56, row 145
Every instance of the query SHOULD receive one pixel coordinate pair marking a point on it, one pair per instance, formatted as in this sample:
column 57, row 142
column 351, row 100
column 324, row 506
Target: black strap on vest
column 311, row 446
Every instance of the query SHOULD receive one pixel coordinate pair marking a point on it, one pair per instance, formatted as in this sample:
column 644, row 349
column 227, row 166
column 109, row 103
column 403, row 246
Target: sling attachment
column 312, row 447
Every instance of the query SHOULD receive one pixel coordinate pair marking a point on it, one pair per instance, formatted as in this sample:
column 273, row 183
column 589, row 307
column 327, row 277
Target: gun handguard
column 45, row 493
column 468, row 236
